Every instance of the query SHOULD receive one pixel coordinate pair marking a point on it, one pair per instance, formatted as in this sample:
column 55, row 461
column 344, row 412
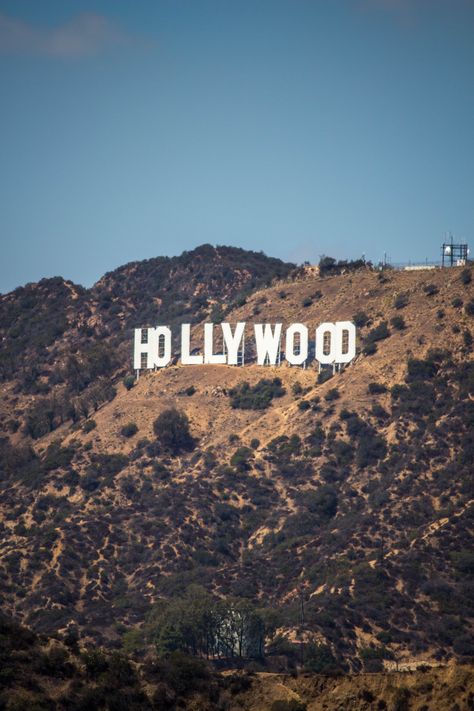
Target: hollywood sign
column 334, row 344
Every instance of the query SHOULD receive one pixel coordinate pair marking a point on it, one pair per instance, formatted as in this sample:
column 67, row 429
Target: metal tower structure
column 454, row 255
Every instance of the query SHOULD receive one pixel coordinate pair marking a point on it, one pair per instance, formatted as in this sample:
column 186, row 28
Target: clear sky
column 297, row 127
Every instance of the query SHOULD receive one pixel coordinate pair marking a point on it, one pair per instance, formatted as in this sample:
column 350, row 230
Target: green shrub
column 303, row 405
column 379, row 412
column 320, row 659
column 401, row 300
column 12, row 425
column 53, row 663
column 421, row 369
column 172, row 431
column 430, row 289
column 332, row 394
column 360, row 319
column 322, row 502
column 307, row 301
column 378, row 333
column 95, row 662
column 324, row 375
column 398, row 322
column 401, row 699
column 241, row 459
column 377, row 388
column 57, row 456
column 191, row 390
column 370, row 349
column 129, row 381
column 256, row 397
column 88, row 426
column 469, row 308
column 129, row 429
column 466, row 276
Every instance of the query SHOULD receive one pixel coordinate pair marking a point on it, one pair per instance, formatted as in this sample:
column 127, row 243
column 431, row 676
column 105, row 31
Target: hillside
column 43, row 674
column 61, row 346
column 338, row 517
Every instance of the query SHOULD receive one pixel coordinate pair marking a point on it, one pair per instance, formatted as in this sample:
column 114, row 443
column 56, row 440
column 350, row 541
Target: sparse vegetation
column 377, row 388
column 430, row 289
column 360, row 319
column 401, row 301
column 129, row 430
column 326, row 511
column 469, row 308
column 172, row 431
column 328, row 266
column 89, row 425
column 332, row 394
column 258, row 396
column 466, row 276
column 398, row 323
column 378, row 333
column 129, row 381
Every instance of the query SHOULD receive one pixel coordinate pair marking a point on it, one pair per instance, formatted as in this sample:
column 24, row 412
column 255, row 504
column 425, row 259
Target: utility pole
column 301, row 623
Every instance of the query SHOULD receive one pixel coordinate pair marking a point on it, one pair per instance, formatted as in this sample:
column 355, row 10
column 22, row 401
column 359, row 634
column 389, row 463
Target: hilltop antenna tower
column 454, row 255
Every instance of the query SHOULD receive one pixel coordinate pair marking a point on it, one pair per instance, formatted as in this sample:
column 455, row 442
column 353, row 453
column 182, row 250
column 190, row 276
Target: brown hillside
column 355, row 503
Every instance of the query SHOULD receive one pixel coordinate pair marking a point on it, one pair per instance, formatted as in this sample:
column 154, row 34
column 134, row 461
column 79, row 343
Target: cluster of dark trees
column 201, row 625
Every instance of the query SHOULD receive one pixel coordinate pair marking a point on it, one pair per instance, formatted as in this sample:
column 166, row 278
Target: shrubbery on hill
column 129, row 429
column 360, row 319
column 398, row 322
column 466, row 276
column 320, row 659
column 401, row 300
column 328, row 266
column 256, row 397
column 172, row 431
column 378, row 333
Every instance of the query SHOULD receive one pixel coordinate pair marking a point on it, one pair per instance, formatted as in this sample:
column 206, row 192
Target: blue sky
column 297, row 127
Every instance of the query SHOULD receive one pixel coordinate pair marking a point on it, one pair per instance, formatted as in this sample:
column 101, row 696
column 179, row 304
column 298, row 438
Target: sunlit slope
column 342, row 297
column 355, row 492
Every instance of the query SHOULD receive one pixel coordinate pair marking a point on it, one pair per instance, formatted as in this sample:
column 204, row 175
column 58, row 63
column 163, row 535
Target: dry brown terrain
column 381, row 568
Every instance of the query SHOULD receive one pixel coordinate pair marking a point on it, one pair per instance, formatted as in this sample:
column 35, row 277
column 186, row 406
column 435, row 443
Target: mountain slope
column 62, row 346
column 346, row 504
column 41, row 673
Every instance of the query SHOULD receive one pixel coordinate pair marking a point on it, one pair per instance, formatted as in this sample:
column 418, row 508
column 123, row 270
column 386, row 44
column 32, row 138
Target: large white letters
column 267, row 342
column 335, row 343
column 290, row 355
column 186, row 357
column 345, row 341
column 209, row 356
column 233, row 340
column 325, row 350
column 155, row 343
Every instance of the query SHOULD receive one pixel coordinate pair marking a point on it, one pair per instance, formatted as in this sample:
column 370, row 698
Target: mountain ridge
column 320, row 496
